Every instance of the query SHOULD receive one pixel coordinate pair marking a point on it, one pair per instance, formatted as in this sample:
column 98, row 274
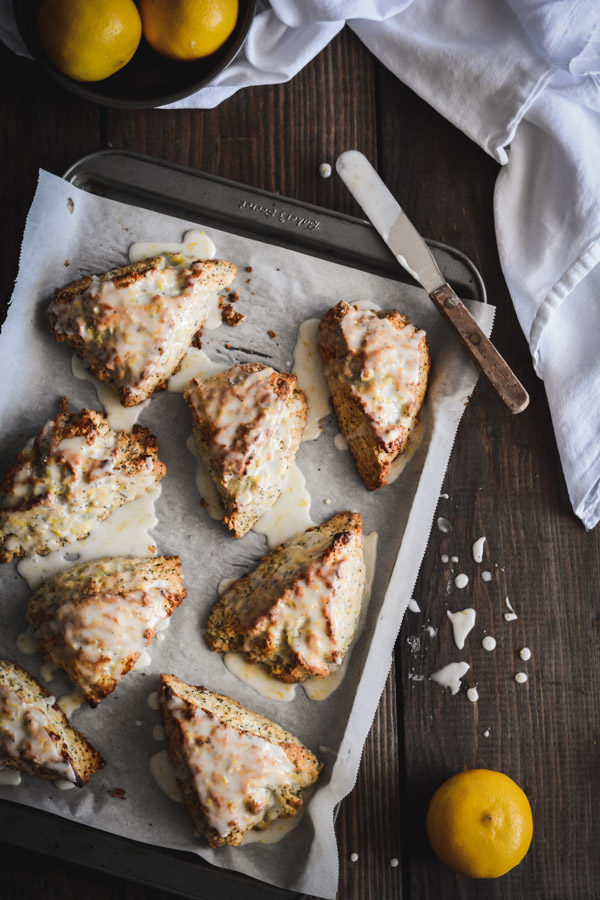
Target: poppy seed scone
column 248, row 424
column 132, row 326
column 298, row 611
column 35, row 735
column 74, row 474
column 236, row 769
column 377, row 366
column 95, row 619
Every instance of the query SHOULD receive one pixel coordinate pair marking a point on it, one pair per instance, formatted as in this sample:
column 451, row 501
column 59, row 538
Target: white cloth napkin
column 522, row 79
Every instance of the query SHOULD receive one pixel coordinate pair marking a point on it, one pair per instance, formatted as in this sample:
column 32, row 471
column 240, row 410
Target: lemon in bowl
column 89, row 40
column 188, row 29
column 479, row 823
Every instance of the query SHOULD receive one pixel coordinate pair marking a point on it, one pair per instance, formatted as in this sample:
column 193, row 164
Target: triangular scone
column 133, row 325
column 298, row 611
column 248, row 424
column 74, row 474
column 94, row 620
column 35, row 735
column 236, row 769
column 377, row 365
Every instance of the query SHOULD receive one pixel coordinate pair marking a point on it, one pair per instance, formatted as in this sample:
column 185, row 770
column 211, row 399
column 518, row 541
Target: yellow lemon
column 89, row 39
column 479, row 823
column 188, row 29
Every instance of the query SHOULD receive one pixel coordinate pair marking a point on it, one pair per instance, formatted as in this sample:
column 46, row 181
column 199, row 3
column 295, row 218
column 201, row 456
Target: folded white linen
column 519, row 77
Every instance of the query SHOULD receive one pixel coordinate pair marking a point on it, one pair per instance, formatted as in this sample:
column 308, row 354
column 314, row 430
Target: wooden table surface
column 504, row 481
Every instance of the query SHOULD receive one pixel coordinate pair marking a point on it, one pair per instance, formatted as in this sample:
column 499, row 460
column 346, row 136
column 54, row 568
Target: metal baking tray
column 210, row 201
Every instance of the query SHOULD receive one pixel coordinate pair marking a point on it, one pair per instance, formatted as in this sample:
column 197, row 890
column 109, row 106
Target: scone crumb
column 272, row 334
column 67, row 262
column 248, row 268
column 119, row 794
column 203, row 502
column 230, row 316
column 234, row 296
column 70, row 204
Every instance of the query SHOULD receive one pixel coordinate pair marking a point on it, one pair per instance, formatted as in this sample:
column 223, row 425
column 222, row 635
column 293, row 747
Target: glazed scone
column 74, row 474
column 35, row 735
column 377, row 365
column 94, row 620
column 298, row 611
column 248, row 424
column 236, row 769
column 132, row 326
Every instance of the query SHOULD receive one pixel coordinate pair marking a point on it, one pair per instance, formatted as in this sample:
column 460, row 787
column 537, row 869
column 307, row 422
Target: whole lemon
column 479, row 823
column 89, row 40
column 188, row 29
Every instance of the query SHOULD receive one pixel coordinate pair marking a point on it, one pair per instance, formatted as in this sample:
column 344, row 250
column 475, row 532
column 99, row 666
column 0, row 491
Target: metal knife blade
column 414, row 255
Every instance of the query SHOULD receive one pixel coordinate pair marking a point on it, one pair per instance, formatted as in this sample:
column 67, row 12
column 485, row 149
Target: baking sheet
column 286, row 287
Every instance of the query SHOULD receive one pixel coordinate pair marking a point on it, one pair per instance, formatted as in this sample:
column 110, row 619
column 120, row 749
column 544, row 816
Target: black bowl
column 149, row 79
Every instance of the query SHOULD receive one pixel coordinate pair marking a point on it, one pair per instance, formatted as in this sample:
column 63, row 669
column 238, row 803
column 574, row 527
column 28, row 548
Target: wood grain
column 504, row 481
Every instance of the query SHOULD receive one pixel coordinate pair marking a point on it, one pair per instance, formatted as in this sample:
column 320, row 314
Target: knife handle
column 481, row 350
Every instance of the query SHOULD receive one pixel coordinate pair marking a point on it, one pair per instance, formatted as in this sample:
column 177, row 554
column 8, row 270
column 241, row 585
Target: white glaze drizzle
column 26, row 732
column 290, row 514
column 390, row 369
column 525, row 654
column 126, row 532
column 444, row 525
column 205, row 484
column 120, row 418
column 461, row 581
column 462, row 623
column 414, row 606
column 486, row 576
column 414, row 440
column 259, row 678
column 196, row 244
column 69, row 703
column 162, row 771
column 521, row 677
column 489, row 643
column 311, row 378
column 48, row 671
column 27, row 643
column 449, row 676
column 473, row 694
column 478, row 549
column 195, row 364
column 340, row 442
column 10, row 777
column 322, row 688
column 152, row 700
column 236, row 775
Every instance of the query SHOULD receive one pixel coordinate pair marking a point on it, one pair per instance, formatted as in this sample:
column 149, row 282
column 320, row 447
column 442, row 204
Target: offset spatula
column 414, row 255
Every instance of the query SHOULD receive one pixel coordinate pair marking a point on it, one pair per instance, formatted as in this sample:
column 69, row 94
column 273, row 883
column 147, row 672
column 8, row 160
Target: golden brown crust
column 245, row 721
column 372, row 455
column 75, row 748
column 106, row 364
column 30, row 491
column 241, row 516
column 93, row 585
column 242, row 619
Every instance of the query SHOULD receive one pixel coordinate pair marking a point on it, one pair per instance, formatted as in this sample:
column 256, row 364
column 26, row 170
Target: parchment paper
column 70, row 233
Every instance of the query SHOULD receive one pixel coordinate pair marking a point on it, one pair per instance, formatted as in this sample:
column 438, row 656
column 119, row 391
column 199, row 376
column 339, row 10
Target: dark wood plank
column 504, row 481
column 42, row 127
